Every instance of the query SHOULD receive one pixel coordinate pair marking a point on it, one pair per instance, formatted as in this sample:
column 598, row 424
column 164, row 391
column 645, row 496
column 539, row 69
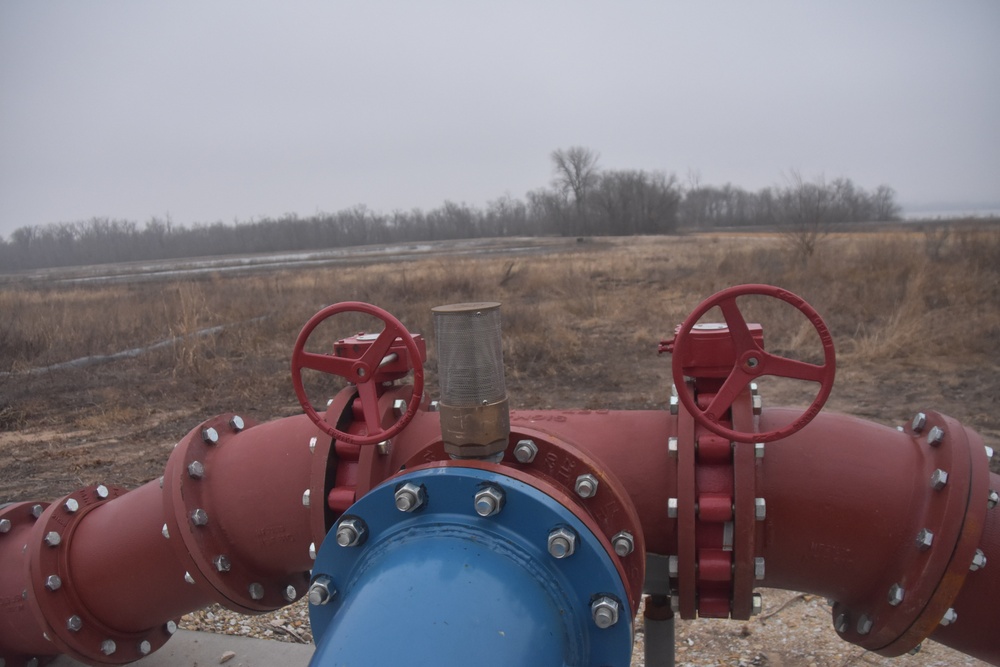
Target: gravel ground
column 794, row 629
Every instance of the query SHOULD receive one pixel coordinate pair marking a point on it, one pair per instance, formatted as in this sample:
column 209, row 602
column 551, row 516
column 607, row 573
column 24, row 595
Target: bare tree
column 804, row 213
column 575, row 171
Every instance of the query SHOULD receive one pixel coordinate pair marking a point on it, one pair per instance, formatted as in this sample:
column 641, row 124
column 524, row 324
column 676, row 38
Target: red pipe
column 845, row 502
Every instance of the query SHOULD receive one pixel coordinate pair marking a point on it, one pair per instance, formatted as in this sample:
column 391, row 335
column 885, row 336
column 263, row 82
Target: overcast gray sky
column 230, row 109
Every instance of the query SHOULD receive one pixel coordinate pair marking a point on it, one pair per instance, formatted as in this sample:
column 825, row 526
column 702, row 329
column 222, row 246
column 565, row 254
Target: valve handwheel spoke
column 361, row 372
column 752, row 361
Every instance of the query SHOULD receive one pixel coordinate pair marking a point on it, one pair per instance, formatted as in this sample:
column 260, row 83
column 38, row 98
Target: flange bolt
column 290, row 594
column 410, row 497
column 978, row 561
column 624, row 543
column 321, row 591
column 919, row 422
column 52, row 539
column 586, row 486
column 757, row 604
column 525, row 451
column 896, row 593
column 221, row 563
column 74, row 623
column 604, row 610
column 865, row 624
column 108, row 646
column 925, row 539
column 71, row 505
column 351, row 532
column 210, row 436
column 144, row 647
column 4, row 526
column 196, row 470
column 256, row 591
column 237, row 423
column 199, row 517
column 561, row 543
column 489, row 501
column 53, row 582
column 949, row 617
column 939, row 478
column 992, row 499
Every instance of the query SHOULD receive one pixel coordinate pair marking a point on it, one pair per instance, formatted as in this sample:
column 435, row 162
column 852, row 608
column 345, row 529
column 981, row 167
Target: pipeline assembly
column 423, row 531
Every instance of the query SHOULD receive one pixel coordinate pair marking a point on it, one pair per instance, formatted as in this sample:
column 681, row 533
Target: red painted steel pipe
column 845, row 503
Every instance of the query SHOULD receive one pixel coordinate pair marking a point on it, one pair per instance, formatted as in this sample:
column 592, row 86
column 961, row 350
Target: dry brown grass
column 587, row 316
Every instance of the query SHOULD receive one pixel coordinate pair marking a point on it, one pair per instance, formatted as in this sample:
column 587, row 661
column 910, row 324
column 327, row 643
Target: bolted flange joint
column 561, row 542
column 489, row 501
column 321, row 591
column 605, row 610
column 525, row 451
column 586, row 486
column 410, row 497
column 351, row 532
column 624, row 543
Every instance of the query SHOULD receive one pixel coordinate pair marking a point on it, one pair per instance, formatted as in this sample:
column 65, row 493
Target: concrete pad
column 204, row 649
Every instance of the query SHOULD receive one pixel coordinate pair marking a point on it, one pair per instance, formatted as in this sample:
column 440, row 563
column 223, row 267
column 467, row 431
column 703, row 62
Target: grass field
column 915, row 316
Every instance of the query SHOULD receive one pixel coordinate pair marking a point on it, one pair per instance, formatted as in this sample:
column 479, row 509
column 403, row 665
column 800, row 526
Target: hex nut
column 919, row 422
column 939, row 478
column 978, row 561
column 758, row 450
column 605, row 610
column 196, row 470
column 586, row 486
column 672, row 446
column 222, row 563
column 312, row 550
column 672, row 508
column 561, row 542
column 896, row 594
column 672, row 569
column 949, row 617
column 5, row 526
column 993, row 499
column 674, row 405
column 199, row 517
column 71, row 505
column 623, row 542
column 759, row 509
column 305, row 498
column 256, row 591
column 102, row 492
column 351, row 532
column 758, row 568
column 757, row 604
column 36, row 511
column 321, row 591
column 165, row 531
column 525, row 451
column 865, row 624
column 410, row 497
column 209, row 436
column 188, row 578
column 925, row 539
column 935, row 436
column 52, row 538
column 237, row 423
column 840, row 623
column 170, row 627
column 144, row 647
column 53, row 582
column 290, row 594
column 758, row 404
column 399, row 407
column 489, row 501
column 108, row 646
column 384, row 447
column 312, row 444
column 74, row 623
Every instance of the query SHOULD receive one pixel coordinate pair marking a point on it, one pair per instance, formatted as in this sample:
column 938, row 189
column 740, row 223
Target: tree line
column 582, row 199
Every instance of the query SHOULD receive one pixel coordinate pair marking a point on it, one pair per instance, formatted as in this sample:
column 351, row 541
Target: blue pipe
column 441, row 585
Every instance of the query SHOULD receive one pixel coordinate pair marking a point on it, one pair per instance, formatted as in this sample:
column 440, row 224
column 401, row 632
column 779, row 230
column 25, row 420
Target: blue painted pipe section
column 444, row 586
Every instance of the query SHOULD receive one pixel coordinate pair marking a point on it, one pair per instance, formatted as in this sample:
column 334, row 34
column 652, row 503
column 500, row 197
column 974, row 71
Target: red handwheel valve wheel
column 752, row 361
column 361, row 371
